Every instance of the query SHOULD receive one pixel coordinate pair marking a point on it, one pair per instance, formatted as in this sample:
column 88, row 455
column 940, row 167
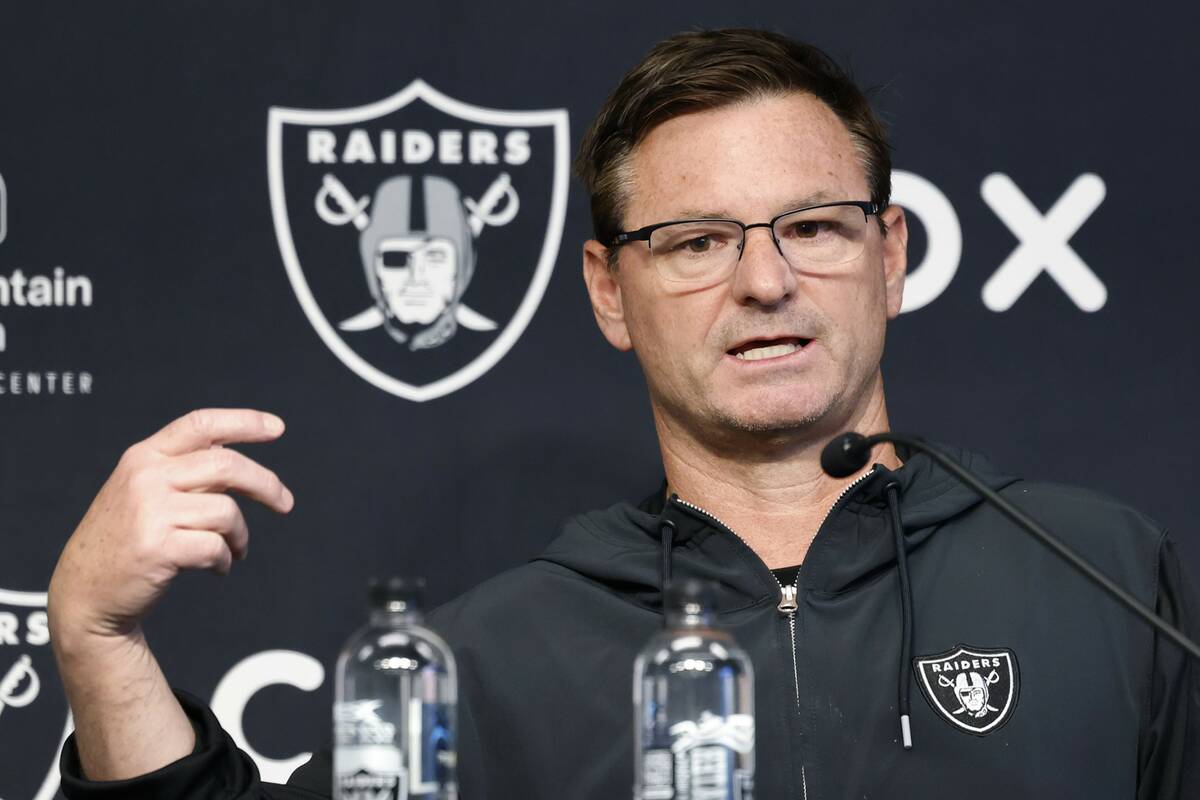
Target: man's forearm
column 127, row 720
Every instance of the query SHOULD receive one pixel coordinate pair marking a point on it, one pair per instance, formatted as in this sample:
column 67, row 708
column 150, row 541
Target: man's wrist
column 127, row 720
column 75, row 644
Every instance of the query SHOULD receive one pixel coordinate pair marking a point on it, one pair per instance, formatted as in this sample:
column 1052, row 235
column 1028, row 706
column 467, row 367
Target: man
column 746, row 252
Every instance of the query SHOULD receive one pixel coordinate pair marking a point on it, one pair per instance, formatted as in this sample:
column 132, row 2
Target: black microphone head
column 845, row 455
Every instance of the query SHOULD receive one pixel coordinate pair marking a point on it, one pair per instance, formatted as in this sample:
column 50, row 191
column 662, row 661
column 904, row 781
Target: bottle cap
column 382, row 592
column 691, row 592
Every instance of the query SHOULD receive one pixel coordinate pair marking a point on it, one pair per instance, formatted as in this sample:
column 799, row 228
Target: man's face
column 417, row 276
column 753, row 161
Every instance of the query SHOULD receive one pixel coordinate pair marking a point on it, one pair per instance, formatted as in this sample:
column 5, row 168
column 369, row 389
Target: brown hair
column 702, row 70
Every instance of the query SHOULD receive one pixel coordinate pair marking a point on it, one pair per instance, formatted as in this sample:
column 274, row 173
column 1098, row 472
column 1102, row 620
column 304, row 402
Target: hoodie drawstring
column 892, row 490
column 666, row 529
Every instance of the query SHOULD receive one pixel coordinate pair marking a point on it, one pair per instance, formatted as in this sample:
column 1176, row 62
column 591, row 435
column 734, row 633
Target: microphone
column 850, row 452
column 845, row 455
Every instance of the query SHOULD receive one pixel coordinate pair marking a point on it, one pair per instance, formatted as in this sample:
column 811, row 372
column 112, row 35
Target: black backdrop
column 134, row 153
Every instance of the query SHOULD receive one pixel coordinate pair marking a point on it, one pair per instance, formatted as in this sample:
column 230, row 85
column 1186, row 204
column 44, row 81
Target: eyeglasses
column 696, row 251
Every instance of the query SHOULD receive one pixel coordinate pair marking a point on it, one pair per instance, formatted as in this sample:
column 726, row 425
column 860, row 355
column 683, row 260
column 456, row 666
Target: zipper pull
column 787, row 604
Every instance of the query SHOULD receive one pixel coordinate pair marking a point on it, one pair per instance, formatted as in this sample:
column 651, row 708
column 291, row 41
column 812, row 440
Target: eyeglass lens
column 693, row 251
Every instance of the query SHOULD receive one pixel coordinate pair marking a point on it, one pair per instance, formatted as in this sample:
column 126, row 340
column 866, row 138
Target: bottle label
column 658, row 775
column 431, row 755
column 369, row 772
column 358, row 722
column 703, row 762
column 367, row 764
column 377, row 760
column 364, row 785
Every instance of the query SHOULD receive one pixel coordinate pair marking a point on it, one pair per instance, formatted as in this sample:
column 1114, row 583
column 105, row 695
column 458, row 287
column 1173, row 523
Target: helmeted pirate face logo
column 974, row 689
column 34, row 718
column 428, row 227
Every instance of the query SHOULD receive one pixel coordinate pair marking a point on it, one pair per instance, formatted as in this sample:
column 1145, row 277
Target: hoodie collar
column 620, row 546
column 854, row 543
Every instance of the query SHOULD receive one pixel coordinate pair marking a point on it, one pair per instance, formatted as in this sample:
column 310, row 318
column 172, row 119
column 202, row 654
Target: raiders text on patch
column 974, row 689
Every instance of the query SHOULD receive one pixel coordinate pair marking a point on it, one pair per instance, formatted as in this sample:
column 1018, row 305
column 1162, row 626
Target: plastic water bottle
column 394, row 705
column 693, row 699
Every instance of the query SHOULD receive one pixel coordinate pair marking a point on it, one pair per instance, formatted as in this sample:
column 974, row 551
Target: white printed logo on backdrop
column 1044, row 241
column 3, row 209
column 418, row 232
column 34, row 717
column 24, row 291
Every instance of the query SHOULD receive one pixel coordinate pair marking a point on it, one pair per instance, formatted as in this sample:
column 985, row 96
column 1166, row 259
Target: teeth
column 771, row 351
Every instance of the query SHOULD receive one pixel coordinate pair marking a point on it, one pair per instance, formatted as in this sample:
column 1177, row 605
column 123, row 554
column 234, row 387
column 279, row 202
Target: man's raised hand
column 163, row 509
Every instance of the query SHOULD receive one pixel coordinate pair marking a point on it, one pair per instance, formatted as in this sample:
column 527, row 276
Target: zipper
column 788, row 603
column 788, row 606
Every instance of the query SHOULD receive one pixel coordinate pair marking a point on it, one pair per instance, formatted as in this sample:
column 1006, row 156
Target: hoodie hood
column 621, row 546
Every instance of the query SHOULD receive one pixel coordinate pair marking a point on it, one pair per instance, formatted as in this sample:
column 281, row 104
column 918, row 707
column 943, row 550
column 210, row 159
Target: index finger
column 206, row 427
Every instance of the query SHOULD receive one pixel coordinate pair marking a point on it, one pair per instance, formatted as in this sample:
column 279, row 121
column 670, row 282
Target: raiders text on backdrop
column 418, row 147
column 33, row 629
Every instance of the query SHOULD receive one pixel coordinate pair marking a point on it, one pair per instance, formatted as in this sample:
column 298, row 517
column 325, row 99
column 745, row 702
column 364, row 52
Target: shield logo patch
column 34, row 718
column 974, row 689
column 418, row 232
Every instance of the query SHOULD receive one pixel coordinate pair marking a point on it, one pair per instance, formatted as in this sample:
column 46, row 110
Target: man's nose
column 763, row 276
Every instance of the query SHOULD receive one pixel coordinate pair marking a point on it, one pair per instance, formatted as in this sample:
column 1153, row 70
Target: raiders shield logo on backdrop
column 418, row 232
column 974, row 689
column 34, row 718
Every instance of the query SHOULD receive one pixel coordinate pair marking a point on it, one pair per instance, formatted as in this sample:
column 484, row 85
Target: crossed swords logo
column 346, row 209
column 12, row 680
column 992, row 678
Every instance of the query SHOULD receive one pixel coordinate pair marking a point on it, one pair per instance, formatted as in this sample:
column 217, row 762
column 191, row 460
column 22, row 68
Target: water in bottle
column 394, row 709
column 693, row 698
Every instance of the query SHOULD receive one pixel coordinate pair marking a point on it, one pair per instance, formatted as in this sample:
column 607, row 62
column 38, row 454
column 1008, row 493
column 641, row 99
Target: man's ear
column 605, row 294
column 895, row 257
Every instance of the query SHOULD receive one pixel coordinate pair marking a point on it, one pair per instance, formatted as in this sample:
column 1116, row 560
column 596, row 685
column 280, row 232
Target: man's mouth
column 761, row 349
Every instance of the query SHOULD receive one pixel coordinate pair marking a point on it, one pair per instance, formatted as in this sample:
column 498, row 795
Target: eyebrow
column 811, row 199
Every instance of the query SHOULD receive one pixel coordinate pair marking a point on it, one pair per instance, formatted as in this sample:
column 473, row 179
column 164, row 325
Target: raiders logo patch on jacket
column 973, row 688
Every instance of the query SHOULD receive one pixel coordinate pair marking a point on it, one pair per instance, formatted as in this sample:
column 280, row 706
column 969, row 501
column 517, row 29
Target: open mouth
column 761, row 349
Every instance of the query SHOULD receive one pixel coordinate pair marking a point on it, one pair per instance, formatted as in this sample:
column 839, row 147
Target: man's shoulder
column 1050, row 502
column 521, row 584
column 523, row 595
column 1119, row 538
column 1102, row 512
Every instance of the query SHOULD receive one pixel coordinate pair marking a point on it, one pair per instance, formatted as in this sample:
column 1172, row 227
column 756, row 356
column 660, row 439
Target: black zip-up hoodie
column 1025, row 681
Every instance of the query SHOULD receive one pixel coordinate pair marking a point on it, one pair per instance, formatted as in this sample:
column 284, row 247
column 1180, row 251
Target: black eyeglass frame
column 868, row 208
